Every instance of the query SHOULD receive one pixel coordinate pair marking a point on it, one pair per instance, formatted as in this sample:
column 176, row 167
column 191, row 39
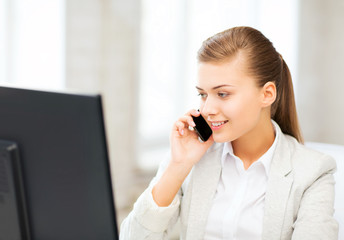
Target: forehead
column 231, row 72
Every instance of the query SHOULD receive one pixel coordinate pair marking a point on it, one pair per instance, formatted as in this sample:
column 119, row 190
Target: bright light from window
column 3, row 42
column 35, row 43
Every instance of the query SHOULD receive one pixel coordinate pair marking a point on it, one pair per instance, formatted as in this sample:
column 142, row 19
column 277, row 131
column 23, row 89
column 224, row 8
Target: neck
column 250, row 147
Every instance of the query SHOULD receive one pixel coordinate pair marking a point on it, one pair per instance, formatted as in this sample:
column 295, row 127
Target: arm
column 147, row 220
column 315, row 216
column 186, row 151
column 157, row 209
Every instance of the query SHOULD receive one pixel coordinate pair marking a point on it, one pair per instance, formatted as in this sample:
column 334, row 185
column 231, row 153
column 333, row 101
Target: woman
column 253, row 179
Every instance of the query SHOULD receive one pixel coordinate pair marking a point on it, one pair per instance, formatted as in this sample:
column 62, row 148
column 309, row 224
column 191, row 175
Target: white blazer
column 298, row 202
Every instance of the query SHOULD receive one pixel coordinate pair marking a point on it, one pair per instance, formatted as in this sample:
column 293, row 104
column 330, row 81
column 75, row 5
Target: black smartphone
column 202, row 128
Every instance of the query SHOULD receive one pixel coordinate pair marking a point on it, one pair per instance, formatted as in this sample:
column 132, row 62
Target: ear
column 269, row 94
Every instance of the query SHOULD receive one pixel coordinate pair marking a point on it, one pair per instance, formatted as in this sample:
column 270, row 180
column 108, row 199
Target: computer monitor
column 63, row 166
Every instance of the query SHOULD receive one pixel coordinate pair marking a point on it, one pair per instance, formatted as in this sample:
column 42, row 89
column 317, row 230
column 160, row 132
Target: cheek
column 243, row 109
column 201, row 105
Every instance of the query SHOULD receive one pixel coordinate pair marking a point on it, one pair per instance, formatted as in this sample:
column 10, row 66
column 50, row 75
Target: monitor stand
column 13, row 211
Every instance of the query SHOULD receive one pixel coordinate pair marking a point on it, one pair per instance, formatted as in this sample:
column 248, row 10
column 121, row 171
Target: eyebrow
column 216, row 87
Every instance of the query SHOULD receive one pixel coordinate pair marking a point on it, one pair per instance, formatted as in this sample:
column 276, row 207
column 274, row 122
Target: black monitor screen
column 64, row 163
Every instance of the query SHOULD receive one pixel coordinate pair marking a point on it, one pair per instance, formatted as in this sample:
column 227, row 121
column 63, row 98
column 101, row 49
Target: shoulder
column 307, row 162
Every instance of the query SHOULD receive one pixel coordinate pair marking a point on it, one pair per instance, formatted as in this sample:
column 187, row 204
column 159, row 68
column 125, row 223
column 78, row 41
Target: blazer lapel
column 206, row 174
column 278, row 190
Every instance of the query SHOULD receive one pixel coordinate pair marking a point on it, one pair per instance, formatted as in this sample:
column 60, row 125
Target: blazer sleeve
column 147, row 220
column 315, row 216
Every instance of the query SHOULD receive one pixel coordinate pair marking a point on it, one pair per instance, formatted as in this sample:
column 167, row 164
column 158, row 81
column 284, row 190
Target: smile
column 217, row 125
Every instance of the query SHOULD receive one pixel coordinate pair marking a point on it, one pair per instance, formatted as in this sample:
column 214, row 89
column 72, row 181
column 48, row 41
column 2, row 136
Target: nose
column 209, row 107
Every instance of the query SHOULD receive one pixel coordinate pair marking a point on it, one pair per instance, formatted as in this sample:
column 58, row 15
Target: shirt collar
column 265, row 159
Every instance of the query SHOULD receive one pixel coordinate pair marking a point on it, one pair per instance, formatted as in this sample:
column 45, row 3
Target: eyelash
column 220, row 94
column 202, row 95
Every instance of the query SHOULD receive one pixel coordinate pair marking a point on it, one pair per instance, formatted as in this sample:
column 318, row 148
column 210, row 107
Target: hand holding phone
column 190, row 139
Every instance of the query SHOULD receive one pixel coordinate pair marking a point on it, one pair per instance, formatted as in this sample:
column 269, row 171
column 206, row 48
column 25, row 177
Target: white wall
column 320, row 95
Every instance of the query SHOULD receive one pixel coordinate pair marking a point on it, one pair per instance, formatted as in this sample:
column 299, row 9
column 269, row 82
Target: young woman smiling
column 253, row 179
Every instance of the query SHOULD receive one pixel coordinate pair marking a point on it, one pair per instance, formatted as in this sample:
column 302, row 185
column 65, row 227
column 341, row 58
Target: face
column 231, row 101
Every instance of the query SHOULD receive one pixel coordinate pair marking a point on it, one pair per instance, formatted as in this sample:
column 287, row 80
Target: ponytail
column 264, row 63
column 283, row 110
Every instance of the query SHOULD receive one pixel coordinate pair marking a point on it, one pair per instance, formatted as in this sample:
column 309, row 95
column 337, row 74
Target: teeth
column 217, row 124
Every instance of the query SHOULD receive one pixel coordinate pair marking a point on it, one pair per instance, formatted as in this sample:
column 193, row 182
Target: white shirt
column 238, row 206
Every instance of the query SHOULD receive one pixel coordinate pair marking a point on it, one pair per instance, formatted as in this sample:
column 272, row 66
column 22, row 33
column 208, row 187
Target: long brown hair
column 264, row 63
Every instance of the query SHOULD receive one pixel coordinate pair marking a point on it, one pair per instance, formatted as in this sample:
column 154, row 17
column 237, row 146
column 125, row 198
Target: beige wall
column 102, row 39
column 320, row 87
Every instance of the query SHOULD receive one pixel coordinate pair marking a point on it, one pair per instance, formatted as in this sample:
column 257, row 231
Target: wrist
column 169, row 184
column 179, row 170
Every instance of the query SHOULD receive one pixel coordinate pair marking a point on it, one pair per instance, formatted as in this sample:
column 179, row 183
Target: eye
column 223, row 95
column 202, row 95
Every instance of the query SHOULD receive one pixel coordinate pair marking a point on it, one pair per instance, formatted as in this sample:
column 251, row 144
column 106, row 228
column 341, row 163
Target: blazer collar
column 206, row 175
column 278, row 189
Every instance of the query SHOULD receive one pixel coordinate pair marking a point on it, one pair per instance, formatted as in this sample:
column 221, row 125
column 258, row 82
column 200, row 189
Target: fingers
column 194, row 113
column 186, row 121
column 180, row 126
column 183, row 124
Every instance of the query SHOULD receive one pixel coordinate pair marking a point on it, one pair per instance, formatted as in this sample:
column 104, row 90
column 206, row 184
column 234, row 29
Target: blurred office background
column 140, row 55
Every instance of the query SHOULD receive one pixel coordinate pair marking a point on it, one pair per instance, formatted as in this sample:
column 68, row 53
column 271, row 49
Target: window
column 32, row 40
column 3, row 40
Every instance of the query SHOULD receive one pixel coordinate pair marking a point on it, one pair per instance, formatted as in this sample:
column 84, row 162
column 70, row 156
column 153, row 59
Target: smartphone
column 202, row 128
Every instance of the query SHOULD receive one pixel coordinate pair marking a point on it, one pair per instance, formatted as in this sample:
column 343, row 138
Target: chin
column 221, row 139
